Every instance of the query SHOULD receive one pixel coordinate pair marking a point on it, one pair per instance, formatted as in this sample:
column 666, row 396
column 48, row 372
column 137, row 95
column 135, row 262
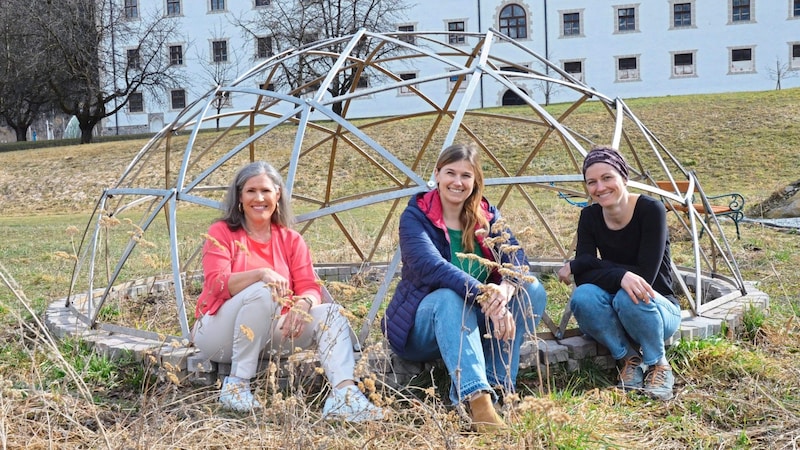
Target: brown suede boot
column 484, row 416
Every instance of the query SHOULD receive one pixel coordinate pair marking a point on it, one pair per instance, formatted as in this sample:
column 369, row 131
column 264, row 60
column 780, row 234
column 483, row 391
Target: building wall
column 770, row 33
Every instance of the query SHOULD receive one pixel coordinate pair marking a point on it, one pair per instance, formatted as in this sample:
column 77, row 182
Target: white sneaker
column 350, row 405
column 236, row 395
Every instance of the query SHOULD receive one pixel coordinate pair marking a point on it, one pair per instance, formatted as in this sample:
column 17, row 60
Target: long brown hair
column 471, row 214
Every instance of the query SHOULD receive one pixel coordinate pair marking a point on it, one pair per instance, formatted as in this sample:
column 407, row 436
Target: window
column 513, row 22
column 406, row 29
column 267, row 86
column 135, row 102
column 744, row 54
column 134, row 60
column 264, row 47
column 363, row 82
column 626, row 19
column 176, row 55
column 518, row 69
column 681, row 15
column 742, row 60
column 574, row 68
column 627, row 68
column 571, row 23
column 456, row 39
column 131, row 9
column 178, row 99
column 219, row 51
column 217, row 5
column 456, row 80
column 262, row 3
column 796, row 8
column 740, row 10
column 795, row 61
column 405, row 77
column 173, row 7
column 683, row 64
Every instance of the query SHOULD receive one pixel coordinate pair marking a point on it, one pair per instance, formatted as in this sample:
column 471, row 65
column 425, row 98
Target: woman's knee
column 258, row 301
column 585, row 297
column 445, row 304
column 622, row 304
column 580, row 299
column 444, row 300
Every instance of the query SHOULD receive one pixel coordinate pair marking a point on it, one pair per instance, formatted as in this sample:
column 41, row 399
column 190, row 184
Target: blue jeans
column 447, row 327
column 621, row 325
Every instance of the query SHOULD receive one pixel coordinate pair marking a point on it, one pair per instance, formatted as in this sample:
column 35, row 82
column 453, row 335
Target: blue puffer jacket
column 425, row 250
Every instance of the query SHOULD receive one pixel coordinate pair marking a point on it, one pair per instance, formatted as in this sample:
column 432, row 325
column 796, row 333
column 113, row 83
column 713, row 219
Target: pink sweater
column 226, row 252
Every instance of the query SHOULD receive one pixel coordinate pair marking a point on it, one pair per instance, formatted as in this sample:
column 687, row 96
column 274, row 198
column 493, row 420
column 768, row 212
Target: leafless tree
column 220, row 66
column 103, row 53
column 292, row 24
column 23, row 63
column 781, row 72
column 547, row 88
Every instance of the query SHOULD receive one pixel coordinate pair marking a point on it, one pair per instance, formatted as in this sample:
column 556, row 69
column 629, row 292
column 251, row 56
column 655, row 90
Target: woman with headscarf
column 624, row 297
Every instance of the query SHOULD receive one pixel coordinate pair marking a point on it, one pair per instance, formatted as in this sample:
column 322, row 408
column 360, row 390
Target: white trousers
column 247, row 326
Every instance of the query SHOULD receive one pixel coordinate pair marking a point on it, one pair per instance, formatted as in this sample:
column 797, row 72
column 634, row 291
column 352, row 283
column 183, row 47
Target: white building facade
column 627, row 50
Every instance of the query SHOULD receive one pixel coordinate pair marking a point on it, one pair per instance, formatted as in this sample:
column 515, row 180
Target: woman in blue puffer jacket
column 465, row 295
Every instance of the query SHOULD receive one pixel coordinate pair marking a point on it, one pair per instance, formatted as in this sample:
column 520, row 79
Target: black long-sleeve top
column 602, row 255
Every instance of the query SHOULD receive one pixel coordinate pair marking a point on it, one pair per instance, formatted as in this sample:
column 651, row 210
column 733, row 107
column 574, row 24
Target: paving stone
column 118, row 346
column 552, row 352
column 176, row 357
column 674, row 338
column 580, row 346
column 712, row 325
column 199, row 363
column 573, row 365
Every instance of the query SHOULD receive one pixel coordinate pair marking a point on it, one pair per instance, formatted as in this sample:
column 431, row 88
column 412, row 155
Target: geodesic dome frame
column 532, row 158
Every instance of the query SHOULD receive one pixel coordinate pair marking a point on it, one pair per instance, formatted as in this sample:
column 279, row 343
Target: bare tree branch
column 293, row 24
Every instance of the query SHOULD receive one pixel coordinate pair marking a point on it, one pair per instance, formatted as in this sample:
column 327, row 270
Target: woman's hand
column 297, row 319
column 565, row 273
column 637, row 288
column 499, row 296
column 279, row 284
column 504, row 326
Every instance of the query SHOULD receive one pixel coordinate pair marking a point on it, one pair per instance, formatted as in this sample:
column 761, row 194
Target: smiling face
column 605, row 184
column 259, row 198
column 456, row 182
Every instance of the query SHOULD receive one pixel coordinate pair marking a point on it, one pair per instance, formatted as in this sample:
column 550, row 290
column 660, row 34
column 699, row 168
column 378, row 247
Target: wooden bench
column 728, row 205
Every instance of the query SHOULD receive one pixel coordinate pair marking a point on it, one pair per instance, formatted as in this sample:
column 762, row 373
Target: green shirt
column 474, row 268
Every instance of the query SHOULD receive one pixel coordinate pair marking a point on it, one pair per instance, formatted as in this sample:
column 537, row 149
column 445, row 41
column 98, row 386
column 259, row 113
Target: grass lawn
column 736, row 391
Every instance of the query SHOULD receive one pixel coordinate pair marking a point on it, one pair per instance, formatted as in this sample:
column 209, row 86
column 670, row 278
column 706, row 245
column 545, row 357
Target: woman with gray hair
column 260, row 295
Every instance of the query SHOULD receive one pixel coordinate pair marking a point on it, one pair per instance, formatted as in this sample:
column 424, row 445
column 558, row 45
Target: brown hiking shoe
column 631, row 374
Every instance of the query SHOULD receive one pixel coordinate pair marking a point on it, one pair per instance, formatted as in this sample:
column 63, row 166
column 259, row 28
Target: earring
column 240, row 207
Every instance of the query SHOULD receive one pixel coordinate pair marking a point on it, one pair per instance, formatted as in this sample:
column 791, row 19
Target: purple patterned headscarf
column 606, row 155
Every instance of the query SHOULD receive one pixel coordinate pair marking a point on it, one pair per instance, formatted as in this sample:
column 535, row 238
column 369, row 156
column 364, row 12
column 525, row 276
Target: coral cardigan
column 226, row 251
